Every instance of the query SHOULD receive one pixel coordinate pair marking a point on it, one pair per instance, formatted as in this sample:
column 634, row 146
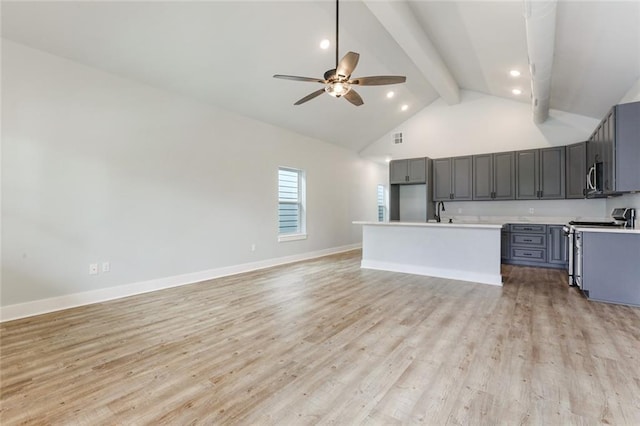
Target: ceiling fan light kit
column 338, row 82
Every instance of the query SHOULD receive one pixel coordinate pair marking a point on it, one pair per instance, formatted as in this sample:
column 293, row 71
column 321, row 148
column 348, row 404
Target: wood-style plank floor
column 324, row 342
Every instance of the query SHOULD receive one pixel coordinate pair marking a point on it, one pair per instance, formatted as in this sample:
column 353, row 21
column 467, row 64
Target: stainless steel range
column 622, row 218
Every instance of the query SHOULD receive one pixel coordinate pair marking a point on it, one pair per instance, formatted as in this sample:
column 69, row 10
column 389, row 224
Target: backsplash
column 591, row 209
column 626, row 200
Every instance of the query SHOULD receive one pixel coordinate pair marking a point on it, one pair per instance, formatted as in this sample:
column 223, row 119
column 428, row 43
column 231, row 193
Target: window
column 382, row 208
column 291, row 204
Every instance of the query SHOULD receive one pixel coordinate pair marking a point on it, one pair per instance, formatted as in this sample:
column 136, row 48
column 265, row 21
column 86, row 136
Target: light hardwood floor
column 323, row 341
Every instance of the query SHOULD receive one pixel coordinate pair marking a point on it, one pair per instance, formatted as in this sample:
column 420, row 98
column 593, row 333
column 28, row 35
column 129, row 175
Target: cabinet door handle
column 528, row 241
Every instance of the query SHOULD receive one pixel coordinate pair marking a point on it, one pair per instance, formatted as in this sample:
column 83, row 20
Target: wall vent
column 397, row 138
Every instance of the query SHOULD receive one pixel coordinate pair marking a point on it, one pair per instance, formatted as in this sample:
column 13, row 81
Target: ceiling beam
column 540, row 22
column 399, row 20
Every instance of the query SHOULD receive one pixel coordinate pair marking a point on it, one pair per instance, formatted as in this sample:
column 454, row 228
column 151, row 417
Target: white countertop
column 434, row 224
column 609, row 230
column 489, row 222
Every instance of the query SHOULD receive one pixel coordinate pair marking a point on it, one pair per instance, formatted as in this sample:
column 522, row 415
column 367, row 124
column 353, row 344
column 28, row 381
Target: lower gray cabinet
column 535, row 245
column 529, row 244
column 557, row 248
column 505, row 245
column 610, row 267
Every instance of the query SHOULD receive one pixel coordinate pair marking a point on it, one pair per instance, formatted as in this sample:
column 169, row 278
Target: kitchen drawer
column 536, row 229
column 529, row 240
column 531, row 255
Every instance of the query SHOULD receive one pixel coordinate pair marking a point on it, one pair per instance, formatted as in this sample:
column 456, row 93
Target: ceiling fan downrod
column 337, row 29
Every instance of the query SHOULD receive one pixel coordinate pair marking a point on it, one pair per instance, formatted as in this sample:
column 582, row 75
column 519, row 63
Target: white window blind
column 290, row 201
column 381, row 204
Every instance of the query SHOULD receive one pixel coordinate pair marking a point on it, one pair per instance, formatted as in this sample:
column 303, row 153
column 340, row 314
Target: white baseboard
column 43, row 306
column 434, row 272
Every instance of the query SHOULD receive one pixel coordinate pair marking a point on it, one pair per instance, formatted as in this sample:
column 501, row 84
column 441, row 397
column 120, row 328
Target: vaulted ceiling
column 225, row 53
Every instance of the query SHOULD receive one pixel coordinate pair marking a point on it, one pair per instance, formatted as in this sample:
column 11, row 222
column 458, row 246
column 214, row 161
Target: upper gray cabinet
column 442, row 179
column 624, row 132
column 540, row 174
column 613, row 153
column 527, row 174
column 576, row 170
column 408, row 171
column 552, row 173
column 493, row 176
column 452, row 178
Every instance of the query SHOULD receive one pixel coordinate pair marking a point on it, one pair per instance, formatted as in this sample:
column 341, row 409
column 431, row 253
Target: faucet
column 440, row 204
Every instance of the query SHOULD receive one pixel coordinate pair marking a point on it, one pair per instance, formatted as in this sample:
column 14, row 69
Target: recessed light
column 516, row 91
column 514, row 73
column 390, row 94
column 404, row 107
column 324, row 44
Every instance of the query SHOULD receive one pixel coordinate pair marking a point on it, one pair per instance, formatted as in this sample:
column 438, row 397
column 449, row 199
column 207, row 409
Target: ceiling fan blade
column 353, row 97
column 296, row 78
column 310, row 96
column 347, row 64
column 378, row 80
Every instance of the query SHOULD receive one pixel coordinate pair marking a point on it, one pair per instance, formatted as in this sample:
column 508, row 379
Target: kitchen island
column 459, row 251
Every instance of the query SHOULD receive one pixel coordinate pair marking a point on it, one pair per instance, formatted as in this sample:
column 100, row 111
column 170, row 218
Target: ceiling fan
column 338, row 82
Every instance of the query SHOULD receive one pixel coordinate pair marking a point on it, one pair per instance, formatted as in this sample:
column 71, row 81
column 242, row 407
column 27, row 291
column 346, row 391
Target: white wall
column 98, row 168
column 479, row 124
column 482, row 124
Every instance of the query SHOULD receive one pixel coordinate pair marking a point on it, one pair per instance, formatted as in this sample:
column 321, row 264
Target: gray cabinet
column 452, row 178
column 552, row 173
column 576, row 170
column 442, row 179
column 528, row 244
column 410, row 194
column 557, row 248
column 407, row 171
column 535, row 245
column 613, row 152
column 610, row 268
column 540, row 174
column 626, row 147
column 527, row 174
column 398, row 171
column 493, row 176
column 505, row 245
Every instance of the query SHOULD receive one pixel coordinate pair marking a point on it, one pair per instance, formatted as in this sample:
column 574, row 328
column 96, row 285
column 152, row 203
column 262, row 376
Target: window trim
column 302, row 204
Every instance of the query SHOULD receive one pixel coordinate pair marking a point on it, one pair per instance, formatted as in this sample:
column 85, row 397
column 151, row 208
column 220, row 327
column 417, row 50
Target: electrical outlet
column 253, row 247
column 106, row 267
column 459, row 211
column 531, row 210
column 93, row 269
